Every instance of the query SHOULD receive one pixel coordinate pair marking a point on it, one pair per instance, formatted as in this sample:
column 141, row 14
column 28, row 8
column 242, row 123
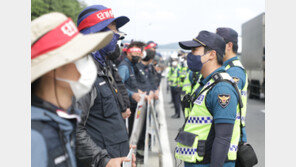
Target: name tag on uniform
column 60, row 159
column 207, row 84
column 142, row 72
column 244, row 93
column 199, row 99
column 102, row 83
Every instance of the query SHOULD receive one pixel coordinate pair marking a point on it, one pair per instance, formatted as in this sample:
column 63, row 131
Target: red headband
column 96, row 18
column 54, row 38
column 134, row 49
column 151, row 45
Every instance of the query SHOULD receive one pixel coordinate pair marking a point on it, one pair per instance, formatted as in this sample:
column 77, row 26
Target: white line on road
column 167, row 159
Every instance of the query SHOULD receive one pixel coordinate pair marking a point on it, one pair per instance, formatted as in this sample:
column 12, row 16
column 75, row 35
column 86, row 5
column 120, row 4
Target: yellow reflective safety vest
column 243, row 92
column 175, row 77
column 187, row 86
column 190, row 89
column 170, row 73
column 199, row 124
column 182, row 76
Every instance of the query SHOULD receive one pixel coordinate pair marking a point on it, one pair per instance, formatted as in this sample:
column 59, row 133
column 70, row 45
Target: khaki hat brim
column 75, row 49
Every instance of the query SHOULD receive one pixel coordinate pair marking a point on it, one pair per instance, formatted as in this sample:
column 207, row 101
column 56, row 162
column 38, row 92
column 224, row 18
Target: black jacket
column 90, row 152
column 122, row 95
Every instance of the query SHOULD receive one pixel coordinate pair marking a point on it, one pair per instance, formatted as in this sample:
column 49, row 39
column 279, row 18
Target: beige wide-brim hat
column 73, row 50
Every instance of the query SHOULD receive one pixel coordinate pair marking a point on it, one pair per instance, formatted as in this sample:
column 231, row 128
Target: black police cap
column 206, row 39
column 228, row 34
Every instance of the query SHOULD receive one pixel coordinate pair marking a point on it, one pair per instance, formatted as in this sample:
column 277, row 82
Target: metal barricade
column 152, row 134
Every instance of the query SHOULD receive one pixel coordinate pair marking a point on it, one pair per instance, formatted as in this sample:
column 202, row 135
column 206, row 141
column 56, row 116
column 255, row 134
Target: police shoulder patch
column 235, row 79
column 223, row 100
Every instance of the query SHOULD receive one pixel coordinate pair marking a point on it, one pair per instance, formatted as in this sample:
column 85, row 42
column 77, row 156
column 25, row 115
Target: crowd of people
column 85, row 88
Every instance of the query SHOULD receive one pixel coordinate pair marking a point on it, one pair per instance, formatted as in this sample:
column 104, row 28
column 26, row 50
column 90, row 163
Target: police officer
column 170, row 77
column 235, row 68
column 102, row 105
column 211, row 132
column 61, row 74
column 177, row 89
column 183, row 73
column 127, row 73
column 191, row 83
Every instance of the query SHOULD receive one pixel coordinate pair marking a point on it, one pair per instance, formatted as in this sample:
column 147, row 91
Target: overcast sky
column 167, row 21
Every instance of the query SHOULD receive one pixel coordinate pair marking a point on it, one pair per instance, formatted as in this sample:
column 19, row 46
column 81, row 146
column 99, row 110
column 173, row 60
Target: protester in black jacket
column 102, row 135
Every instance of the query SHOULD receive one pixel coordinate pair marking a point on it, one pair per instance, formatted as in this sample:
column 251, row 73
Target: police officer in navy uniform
column 212, row 120
column 61, row 74
column 102, row 136
column 233, row 65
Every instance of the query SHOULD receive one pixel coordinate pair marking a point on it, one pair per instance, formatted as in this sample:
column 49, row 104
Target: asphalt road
column 255, row 125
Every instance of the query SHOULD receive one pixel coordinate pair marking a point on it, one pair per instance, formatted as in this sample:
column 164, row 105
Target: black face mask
column 114, row 55
column 149, row 55
column 135, row 59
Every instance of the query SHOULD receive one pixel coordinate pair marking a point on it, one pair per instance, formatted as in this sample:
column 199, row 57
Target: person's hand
column 146, row 98
column 116, row 162
column 126, row 114
column 133, row 155
column 149, row 97
column 132, row 146
column 139, row 91
column 156, row 95
column 136, row 97
column 133, row 160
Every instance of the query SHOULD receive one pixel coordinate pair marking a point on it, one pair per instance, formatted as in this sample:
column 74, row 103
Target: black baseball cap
column 228, row 34
column 206, row 39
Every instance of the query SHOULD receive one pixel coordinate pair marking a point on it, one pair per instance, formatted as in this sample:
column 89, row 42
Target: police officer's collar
column 229, row 60
column 207, row 79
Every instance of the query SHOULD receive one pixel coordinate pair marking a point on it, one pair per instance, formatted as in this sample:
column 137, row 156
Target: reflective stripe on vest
column 243, row 92
column 199, row 122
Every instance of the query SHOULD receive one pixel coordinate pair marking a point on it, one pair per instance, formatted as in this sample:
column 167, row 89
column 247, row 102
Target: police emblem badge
column 223, row 100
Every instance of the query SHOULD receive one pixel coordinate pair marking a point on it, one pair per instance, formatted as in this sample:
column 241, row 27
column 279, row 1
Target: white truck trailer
column 253, row 54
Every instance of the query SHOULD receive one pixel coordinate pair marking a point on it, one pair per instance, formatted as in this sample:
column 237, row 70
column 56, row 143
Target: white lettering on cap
column 69, row 28
column 101, row 16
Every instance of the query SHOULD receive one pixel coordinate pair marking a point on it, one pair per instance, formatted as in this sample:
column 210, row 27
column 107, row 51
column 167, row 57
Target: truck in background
column 253, row 55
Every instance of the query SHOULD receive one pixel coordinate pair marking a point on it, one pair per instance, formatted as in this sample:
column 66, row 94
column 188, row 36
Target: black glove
column 186, row 101
column 182, row 79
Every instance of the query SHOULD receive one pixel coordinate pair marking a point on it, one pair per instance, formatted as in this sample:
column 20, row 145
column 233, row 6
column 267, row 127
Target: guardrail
column 152, row 133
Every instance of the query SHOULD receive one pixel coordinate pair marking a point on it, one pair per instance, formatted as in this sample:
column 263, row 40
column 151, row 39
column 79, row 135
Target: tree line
column 70, row 8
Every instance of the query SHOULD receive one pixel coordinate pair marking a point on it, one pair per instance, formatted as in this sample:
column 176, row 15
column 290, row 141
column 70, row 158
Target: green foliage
column 70, row 8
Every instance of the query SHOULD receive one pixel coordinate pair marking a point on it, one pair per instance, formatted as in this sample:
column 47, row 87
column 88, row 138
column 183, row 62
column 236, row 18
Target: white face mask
column 175, row 63
column 88, row 75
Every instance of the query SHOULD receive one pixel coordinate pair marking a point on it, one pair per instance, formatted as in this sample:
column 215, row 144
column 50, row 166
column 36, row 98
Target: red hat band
column 95, row 18
column 54, row 38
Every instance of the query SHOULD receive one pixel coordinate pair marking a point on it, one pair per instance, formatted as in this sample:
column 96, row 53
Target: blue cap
column 206, row 39
column 120, row 21
column 228, row 34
